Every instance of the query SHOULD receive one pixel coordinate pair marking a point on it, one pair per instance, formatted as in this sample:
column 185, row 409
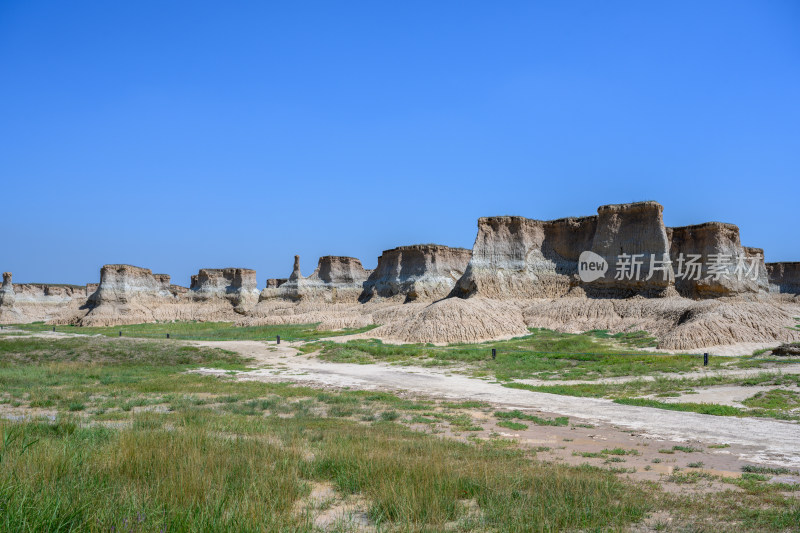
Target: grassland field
column 102, row 434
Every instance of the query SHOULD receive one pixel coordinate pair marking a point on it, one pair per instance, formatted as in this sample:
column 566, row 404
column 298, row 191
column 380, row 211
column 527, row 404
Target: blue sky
column 184, row 135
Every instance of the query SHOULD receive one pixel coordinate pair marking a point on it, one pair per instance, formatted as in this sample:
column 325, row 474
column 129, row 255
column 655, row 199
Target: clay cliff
column 337, row 279
column 7, row 295
column 521, row 273
column 422, row 272
column 31, row 302
column 784, row 278
column 721, row 265
column 518, row 258
column 124, row 284
column 8, row 311
column 236, row 285
column 126, row 294
column 635, row 230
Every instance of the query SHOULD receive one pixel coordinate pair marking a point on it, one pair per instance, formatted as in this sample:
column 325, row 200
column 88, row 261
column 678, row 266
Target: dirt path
column 763, row 441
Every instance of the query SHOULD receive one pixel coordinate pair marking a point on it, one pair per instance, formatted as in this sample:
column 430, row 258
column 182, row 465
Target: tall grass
column 195, row 478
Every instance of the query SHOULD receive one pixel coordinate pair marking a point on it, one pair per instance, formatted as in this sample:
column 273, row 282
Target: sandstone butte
column 520, row 273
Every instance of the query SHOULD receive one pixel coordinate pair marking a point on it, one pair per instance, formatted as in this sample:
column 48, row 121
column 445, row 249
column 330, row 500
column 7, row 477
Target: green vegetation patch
column 702, row 408
column 204, row 331
column 139, row 444
column 774, row 399
column 517, row 426
column 545, row 354
column 539, row 421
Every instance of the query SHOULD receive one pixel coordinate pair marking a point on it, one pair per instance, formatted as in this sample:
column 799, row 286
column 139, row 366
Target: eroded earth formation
column 692, row 287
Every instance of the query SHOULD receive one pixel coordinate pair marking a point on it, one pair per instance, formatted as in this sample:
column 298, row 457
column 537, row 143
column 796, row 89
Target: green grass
column 686, row 449
column 774, row 399
column 190, row 479
column 780, row 404
column 203, row 331
column 221, row 455
column 621, row 451
column 544, row 354
column 780, row 470
column 517, row 426
column 539, row 421
column 702, row 408
column 633, row 339
column 233, row 461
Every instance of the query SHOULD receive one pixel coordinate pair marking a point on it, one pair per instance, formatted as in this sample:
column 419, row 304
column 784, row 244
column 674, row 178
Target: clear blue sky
column 181, row 135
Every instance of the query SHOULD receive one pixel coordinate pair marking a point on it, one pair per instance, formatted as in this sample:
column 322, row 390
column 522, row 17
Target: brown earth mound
column 454, row 320
column 678, row 323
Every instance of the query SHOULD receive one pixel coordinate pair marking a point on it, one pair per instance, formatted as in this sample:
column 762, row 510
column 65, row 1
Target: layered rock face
column 163, row 281
column 122, row 284
column 237, row 285
column 31, row 302
column 48, row 293
column 701, row 286
column 632, row 239
column 520, row 258
column 709, row 261
column 7, row 295
column 337, row 279
column 517, row 257
column 126, row 294
column 421, row 272
column 784, row 278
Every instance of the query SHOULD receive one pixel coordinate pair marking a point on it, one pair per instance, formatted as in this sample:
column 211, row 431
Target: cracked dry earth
column 596, row 424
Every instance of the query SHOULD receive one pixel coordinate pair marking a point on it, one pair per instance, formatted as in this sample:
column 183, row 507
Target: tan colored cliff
column 709, row 261
column 422, row 272
column 784, row 278
column 7, row 295
column 337, row 279
column 38, row 302
column 519, row 258
column 516, row 257
column 633, row 240
column 8, row 311
column 236, row 285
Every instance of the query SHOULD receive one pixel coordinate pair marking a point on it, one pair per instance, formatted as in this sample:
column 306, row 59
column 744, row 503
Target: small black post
column 279, row 340
column 168, row 335
column 705, row 359
column 494, row 353
column 120, row 333
column 54, row 329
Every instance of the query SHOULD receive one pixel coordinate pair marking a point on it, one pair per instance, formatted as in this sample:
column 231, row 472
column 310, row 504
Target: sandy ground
column 751, row 439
